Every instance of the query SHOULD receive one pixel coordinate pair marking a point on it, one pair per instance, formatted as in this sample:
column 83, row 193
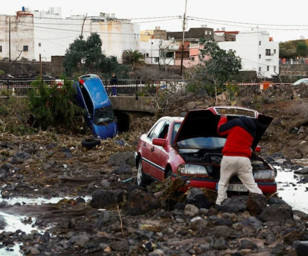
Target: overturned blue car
column 92, row 96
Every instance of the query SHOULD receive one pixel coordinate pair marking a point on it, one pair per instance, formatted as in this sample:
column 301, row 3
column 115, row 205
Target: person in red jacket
column 237, row 151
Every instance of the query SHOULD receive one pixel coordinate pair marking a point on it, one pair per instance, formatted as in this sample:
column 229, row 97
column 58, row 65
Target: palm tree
column 134, row 58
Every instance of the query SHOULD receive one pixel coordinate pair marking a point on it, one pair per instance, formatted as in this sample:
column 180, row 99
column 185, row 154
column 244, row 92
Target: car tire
column 142, row 180
column 91, row 142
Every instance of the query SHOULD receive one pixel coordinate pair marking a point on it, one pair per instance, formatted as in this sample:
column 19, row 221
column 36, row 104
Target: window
column 259, row 56
column 193, row 58
column 25, row 48
column 274, row 51
column 275, row 68
column 39, row 44
column 260, row 69
column 157, row 130
column 259, row 42
column 156, row 59
column 267, row 68
column 0, row 48
column 268, row 52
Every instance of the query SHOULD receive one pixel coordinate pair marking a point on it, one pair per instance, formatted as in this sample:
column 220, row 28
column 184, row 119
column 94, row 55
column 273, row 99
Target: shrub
column 53, row 106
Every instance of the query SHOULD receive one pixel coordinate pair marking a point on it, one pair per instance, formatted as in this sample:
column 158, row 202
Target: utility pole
column 84, row 20
column 10, row 43
column 184, row 25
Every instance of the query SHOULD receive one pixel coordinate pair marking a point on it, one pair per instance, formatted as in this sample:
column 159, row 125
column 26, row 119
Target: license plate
column 237, row 188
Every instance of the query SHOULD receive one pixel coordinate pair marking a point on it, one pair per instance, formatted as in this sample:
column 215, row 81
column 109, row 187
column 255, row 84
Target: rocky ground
column 103, row 212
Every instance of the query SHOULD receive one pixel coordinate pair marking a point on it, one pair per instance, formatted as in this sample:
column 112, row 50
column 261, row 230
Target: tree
column 287, row 50
column 134, row 58
column 90, row 53
column 301, row 48
column 217, row 70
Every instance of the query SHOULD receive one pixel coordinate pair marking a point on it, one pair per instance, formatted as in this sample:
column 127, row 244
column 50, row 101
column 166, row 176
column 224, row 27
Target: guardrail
column 125, row 87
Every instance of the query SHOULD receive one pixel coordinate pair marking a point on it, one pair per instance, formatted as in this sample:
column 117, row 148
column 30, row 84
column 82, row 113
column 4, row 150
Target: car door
column 154, row 156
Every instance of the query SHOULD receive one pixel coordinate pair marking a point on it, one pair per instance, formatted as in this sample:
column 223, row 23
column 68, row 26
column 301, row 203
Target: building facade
column 257, row 51
column 31, row 34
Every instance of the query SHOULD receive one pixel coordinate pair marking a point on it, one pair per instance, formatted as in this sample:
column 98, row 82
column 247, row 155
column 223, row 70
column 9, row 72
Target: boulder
column 234, row 204
column 277, row 212
column 107, row 198
column 196, row 197
column 256, row 203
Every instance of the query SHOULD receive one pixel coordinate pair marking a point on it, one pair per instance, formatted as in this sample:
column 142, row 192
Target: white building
column 47, row 34
column 257, row 50
column 158, row 51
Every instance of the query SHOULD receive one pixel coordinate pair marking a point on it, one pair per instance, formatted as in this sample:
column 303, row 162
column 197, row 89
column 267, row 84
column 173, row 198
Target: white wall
column 253, row 54
column 50, row 35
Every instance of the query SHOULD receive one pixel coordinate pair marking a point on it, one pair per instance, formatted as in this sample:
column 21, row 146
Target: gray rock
column 157, row 252
column 107, row 198
column 222, row 231
column 220, row 244
column 119, row 159
column 3, row 174
column 191, row 210
column 302, row 171
column 234, row 204
column 248, row 244
column 20, row 158
column 123, row 169
column 121, row 245
column 80, row 240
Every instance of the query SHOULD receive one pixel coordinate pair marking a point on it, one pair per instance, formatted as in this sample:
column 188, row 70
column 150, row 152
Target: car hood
column 203, row 122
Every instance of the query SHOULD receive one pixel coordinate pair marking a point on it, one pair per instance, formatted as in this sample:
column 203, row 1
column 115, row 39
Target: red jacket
column 240, row 134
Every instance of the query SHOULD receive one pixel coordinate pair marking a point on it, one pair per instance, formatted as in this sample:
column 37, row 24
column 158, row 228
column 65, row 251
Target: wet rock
column 140, row 202
column 105, row 217
column 252, row 221
column 123, row 169
column 196, row 197
column 191, row 210
column 119, row 159
column 303, row 180
column 2, row 223
column 277, row 212
column 302, row 171
column 107, row 198
column 256, row 203
column 20, row 158
column 220, row 244
column 234, row 204
column 301, row 248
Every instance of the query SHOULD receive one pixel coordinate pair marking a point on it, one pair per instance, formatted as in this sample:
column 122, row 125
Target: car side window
column 164, row 131
column 156, row 131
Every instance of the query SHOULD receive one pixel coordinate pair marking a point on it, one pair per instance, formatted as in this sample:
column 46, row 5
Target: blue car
column 92, row 96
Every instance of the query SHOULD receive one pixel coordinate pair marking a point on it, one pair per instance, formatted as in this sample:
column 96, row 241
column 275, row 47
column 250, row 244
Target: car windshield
column 202, row 143
column 103, row 115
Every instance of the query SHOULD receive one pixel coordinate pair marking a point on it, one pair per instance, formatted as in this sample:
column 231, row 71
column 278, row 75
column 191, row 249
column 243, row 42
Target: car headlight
column 264, row 175
column 192, row 169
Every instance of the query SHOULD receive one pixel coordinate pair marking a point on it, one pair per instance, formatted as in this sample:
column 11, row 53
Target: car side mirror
column 258, row 149
column 159, row 142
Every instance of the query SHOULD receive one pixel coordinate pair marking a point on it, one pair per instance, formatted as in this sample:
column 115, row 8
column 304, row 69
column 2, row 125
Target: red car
column 191, row 149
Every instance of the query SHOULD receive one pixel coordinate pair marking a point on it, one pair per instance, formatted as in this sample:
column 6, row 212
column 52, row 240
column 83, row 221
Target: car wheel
column 142, row 180
column 91, row 142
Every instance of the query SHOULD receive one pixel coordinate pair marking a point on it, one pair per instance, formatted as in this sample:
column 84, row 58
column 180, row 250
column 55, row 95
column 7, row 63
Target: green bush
column 53, row 106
